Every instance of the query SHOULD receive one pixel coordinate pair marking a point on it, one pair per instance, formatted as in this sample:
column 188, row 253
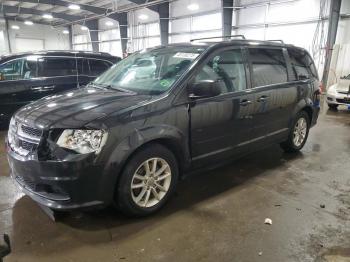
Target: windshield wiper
column 111, row 88
column 121, row 89
column 98, row 86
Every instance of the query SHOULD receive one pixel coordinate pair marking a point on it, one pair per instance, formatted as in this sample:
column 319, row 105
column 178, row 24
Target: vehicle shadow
column 196, row 188
column 341, row 111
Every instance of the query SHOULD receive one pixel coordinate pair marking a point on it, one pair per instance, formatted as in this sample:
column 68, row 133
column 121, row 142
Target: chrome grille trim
column 23, row 140
column 29, row 132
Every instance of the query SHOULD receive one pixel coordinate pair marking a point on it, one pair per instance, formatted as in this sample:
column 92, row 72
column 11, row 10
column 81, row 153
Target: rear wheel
column 147, row 182
column 333, row 106
column 298, row 133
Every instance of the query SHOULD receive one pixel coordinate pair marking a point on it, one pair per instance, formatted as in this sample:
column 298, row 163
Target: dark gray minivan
column 26, row 77
column 134, row 131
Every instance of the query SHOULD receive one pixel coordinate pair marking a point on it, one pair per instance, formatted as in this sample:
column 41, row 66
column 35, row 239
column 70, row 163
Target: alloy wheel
column 300, row 130
column 151, row 182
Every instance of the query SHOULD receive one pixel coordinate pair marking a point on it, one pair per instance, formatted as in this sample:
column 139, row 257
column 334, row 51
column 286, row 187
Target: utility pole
column 8, row 35
column 334, row 14
column 227, row 13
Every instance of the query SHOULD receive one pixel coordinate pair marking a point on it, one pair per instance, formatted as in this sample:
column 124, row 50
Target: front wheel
column 147, row 182
column 298, row 133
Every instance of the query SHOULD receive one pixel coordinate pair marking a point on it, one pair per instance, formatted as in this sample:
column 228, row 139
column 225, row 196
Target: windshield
column 150, row 72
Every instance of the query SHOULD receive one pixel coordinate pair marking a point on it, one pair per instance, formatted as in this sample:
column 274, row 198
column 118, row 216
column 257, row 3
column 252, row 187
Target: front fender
column 127, row 146
column 139, row 137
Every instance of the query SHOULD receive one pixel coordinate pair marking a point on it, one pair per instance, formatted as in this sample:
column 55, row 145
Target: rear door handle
column 245, row 102
column 263, row 98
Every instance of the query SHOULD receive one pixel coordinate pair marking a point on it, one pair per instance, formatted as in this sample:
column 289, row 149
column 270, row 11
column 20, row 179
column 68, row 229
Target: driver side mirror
column 205, row 88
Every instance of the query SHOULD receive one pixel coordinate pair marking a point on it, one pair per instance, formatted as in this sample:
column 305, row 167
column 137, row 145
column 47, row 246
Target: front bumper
column 61, row 185
column 338, row 99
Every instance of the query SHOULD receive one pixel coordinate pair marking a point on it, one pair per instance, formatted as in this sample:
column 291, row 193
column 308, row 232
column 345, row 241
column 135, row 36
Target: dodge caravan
column 128, row 137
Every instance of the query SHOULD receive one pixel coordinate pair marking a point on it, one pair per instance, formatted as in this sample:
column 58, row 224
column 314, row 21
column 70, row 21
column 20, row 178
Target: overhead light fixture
column 193, row 7
column 15, row 27
column 47, row 16
column 84, row 28
column 74, row 7
column 143, row 17
column 109, row 23
column 27, row 22
column 65, row 31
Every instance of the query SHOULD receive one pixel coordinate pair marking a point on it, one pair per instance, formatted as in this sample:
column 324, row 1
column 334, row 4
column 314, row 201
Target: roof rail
column 214, row 37
column 276, row 40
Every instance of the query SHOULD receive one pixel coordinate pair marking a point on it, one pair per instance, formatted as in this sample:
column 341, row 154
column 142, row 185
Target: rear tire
column 333, row 106
column 147, row 181
column 298, row 133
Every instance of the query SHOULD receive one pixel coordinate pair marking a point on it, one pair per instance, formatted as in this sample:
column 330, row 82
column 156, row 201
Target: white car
column 339, row 93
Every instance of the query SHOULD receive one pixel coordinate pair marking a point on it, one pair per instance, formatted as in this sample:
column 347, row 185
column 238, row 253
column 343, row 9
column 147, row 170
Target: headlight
column 12, row 130
column 332, row 91
column 83, row 141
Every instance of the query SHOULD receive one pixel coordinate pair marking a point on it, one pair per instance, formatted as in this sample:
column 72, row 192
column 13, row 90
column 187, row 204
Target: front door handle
column 245, row 102
column 42, row 88
column 263, row 98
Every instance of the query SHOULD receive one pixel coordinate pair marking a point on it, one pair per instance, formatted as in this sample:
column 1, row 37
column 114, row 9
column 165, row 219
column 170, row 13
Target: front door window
column 226, row 68
column 12, row 70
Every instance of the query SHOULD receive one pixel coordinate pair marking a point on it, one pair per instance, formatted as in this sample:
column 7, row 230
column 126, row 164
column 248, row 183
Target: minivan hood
column 77, row 108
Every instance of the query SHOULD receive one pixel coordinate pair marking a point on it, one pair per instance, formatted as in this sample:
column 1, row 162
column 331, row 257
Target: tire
column 292, row 146
column 333, row 106
column 130, row 201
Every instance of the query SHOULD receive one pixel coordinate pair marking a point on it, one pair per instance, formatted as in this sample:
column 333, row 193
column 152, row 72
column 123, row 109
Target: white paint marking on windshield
column 186, row 55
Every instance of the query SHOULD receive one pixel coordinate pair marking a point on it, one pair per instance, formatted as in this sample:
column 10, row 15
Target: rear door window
column 268, row 66
column 97, row 67
column 83, row 66
column 57, row 66
column 302, row 63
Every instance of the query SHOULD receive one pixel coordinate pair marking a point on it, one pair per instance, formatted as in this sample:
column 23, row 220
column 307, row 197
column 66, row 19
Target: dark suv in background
column 27, row 77
column 129, row 135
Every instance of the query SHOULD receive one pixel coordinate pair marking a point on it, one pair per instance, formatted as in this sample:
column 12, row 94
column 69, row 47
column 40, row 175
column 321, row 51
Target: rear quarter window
column 97, row 67
column 302, row 64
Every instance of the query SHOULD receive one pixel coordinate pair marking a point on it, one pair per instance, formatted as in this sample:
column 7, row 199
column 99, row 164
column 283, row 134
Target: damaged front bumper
column 71, row 183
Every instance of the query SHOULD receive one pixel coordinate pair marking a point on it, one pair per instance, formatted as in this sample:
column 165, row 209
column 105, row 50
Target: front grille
column 30, row 131
column 343, row 101
column 27, row 145
column 44, row 190
column 23, row 139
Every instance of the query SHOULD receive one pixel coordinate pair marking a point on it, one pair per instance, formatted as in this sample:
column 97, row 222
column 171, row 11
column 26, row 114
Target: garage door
column 28, row 44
